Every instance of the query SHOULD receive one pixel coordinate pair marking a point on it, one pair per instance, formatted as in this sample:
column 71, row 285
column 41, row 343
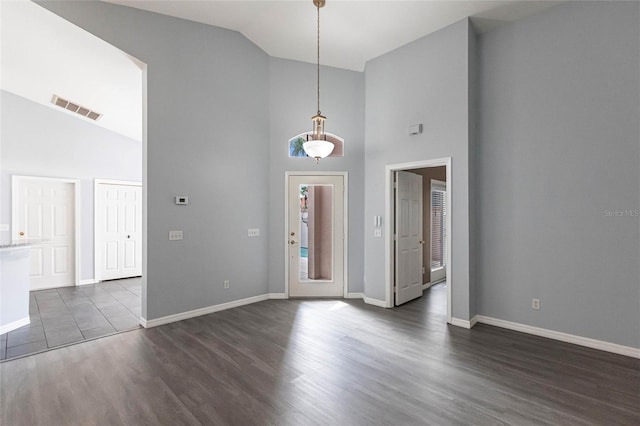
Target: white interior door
column 44, row 211
column 316, row 236
column 409, row 241
column 438, row 230
column 118, row 225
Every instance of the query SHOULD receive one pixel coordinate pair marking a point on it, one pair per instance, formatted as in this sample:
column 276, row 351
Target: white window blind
column 438, row 228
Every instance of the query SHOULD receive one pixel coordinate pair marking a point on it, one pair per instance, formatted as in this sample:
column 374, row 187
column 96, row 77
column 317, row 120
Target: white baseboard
column 15, row 325
column 425, row 286
column 464, row 323
column 563, row 337
column 202, row 311
column 277, row 296
column 375, row 302
column 354, row 296
column 89, row 281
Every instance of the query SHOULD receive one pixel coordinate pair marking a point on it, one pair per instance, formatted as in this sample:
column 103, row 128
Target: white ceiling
column 43, row 54
column 351, row 31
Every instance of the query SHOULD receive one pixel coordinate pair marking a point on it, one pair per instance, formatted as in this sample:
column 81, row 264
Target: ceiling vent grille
column 85, row 112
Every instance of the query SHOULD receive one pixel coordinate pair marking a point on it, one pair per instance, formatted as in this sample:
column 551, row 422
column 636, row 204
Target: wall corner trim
column 468, row 324
column 375, row 302
column 277, row 296
column 563, row 337
column 354, row 296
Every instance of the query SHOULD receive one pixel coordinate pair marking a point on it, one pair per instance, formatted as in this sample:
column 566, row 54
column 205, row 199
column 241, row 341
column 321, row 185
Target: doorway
column 45, row 211
column 420, row 266
column 316, row 243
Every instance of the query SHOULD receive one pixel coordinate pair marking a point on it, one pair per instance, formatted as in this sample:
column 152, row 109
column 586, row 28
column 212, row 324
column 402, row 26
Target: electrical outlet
column 226, row 284
column 377, row 232
column 175, row 235
column 535, row 304
column 253, row 232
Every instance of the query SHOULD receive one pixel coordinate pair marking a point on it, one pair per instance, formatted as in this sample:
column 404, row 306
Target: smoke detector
column 74, row 107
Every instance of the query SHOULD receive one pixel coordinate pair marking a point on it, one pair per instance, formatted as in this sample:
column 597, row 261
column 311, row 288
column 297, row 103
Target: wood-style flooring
column 322, row 362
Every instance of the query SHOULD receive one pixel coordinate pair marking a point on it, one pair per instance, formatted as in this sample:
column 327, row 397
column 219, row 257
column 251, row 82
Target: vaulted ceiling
column 352, row 31
column 43, row 55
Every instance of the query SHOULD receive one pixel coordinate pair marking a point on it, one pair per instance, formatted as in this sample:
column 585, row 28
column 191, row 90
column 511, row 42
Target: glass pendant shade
column 317, row 148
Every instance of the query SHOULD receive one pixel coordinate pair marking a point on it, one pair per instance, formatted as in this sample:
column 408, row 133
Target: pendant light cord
column 318, row 57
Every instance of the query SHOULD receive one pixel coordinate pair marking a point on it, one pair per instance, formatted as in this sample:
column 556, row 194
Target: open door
column 409, row 242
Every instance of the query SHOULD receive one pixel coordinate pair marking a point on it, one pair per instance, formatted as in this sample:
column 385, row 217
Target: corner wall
column 292, row 103
column 207, row 137
column 559, row 154
column 423, row 82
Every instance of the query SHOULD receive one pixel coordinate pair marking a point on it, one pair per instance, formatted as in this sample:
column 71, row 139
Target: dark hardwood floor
column 307, row 362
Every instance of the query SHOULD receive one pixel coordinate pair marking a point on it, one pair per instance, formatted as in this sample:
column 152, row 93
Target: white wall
column 40, row 141
column 559, row 148
column 427, row 82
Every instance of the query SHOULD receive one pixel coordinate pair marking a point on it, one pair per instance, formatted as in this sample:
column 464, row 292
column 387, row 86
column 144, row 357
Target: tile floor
column 66, row 315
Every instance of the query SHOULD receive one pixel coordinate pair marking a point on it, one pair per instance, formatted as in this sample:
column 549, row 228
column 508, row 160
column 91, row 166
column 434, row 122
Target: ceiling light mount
column 317, row 145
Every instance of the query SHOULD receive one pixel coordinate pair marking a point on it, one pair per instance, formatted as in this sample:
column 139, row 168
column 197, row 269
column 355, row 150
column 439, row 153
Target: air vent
column 85, row 112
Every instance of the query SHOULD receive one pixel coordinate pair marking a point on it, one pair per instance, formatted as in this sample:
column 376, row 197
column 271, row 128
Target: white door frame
column 389, row 204
column 96, row 240
column 15, row 179
column 345, row 221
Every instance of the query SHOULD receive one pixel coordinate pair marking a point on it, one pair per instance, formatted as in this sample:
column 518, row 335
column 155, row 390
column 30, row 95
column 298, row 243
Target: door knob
column 293, row 233
column 292, row 242
column 422, row 241
column 21, row 233
column 128, row 236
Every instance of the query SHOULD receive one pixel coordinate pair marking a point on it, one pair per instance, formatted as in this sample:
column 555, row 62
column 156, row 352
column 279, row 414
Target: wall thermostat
column 182, row 199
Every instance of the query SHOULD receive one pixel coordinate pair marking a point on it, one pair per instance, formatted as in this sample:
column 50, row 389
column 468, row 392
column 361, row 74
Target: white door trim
column 345, row 176
column 389, row 202
column 15, row 179
column 96, row 240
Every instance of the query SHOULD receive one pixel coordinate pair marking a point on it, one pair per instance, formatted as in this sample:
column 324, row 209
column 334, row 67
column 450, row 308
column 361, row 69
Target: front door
column 409, row 241
column 44, row 212
column 316, row 236
column 118, row 231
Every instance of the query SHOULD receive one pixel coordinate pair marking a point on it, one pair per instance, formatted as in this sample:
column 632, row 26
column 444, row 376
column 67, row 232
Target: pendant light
column 317, row 145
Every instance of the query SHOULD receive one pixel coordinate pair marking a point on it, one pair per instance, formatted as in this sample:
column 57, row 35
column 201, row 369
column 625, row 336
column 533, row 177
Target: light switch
column 175, row 235
column 253, row 232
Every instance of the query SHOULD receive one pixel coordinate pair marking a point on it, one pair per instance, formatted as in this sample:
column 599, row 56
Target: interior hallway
column 322, row 362
column 61, row 316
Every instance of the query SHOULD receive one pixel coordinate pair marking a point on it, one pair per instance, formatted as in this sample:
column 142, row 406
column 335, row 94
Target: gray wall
column 559, row 147
column 423, row 82
column 40, row 141
column 208, row 131
column 292, row 103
